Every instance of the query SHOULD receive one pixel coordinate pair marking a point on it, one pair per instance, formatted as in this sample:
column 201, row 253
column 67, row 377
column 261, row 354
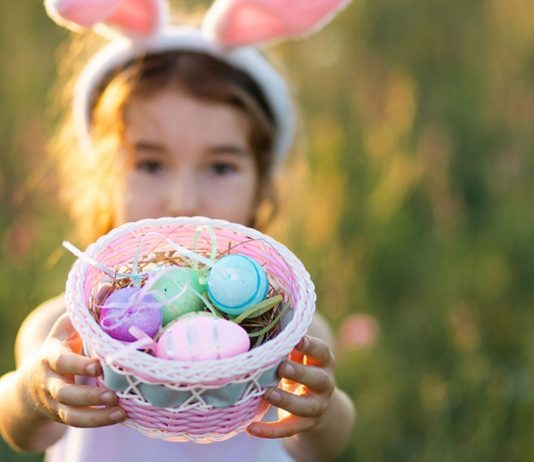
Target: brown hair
column 88, row 186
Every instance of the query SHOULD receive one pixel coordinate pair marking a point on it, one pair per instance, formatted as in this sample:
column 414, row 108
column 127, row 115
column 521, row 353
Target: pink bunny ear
column 139, row 16
column 244, row 22
column 131, row 17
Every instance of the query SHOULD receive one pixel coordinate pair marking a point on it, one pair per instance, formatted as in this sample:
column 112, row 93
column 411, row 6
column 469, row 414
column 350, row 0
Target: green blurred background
column 413, row 212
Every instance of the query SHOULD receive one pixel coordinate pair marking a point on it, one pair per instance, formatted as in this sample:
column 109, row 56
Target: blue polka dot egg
column 237, row 282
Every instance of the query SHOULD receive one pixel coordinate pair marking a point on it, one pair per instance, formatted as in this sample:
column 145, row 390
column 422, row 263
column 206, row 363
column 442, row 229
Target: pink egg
column 124, row 309
column 202, row 337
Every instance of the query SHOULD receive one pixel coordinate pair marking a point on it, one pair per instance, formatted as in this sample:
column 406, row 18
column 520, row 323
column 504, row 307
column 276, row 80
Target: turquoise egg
column 237, row 282
column 170, row 284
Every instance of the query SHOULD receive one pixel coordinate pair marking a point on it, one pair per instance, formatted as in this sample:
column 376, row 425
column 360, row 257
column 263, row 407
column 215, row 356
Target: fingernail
column 274, row 397
column 288, row 369
column 92, row 369
column 303, row 344
column 254, row 428
column 117, row 415
column 108, row 397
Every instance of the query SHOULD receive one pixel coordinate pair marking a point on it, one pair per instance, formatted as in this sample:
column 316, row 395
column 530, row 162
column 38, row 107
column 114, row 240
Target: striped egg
column 237, row 282
column 198, row 337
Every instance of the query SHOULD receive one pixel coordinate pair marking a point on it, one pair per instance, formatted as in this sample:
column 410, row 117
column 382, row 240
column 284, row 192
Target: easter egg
column 237, row 282
column 168, row 287
column 200, row 337
column 123, row 309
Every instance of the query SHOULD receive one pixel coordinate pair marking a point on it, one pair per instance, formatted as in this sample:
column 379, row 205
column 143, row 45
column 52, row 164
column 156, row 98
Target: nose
column 184, row 194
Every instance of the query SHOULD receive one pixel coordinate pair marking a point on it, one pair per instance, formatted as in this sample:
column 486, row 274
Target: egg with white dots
column 179, row 290
column 237, row 282
column 127, row 307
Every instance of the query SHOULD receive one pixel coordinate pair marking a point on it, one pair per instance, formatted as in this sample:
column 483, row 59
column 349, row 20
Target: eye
column 223, row 168
column 150, row 166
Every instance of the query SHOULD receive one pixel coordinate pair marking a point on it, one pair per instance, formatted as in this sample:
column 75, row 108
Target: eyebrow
column 232, row 149
column 149, row 146
column 227, row 149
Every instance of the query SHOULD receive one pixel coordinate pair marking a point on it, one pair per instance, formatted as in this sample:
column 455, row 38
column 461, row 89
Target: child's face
column 187, row 157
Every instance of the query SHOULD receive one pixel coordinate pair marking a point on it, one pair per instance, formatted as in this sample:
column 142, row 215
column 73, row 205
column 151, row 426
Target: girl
column 168, row 124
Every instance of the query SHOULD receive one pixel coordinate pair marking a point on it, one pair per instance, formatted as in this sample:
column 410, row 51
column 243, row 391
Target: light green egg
column 169, row 285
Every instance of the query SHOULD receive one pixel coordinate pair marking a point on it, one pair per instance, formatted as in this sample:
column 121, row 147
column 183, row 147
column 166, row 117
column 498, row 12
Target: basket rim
column 295, row 329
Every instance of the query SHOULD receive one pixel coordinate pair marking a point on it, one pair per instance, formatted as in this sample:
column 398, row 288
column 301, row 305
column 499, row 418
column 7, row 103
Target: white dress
column 119, row 443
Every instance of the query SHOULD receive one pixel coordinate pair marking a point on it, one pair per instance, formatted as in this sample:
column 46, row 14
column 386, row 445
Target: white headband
column 140, row 27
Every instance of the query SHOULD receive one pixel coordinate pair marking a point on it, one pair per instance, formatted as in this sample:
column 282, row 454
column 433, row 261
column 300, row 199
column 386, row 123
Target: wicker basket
column 201, row 401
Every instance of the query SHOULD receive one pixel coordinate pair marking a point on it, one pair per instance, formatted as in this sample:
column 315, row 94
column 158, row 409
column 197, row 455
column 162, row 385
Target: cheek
column 234, row 201
column 140, row 200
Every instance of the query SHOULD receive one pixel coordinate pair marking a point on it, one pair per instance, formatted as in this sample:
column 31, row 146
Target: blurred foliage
column 412, row 205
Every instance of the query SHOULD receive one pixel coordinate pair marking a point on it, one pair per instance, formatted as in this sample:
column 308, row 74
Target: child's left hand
column 307, row 386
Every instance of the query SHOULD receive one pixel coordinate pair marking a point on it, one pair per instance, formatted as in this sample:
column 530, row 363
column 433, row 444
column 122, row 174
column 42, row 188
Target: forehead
column 172, row 114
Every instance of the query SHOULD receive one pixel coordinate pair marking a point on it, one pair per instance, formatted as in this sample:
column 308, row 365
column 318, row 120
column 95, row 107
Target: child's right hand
column 50, row 382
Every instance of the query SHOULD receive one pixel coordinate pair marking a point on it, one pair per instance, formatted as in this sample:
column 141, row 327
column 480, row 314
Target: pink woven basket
column 199, row 401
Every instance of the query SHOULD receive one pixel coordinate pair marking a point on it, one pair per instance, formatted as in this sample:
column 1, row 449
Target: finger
column 296, row 356
column 306, row 405
column 317, row 379
column 90, row 417
column 317, row 351
column 64, row 331
column 283, row 428
column 65, row 362
column 80, row 395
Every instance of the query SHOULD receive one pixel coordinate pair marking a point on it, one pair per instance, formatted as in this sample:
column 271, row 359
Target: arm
column 316, row 417
column 40, row 396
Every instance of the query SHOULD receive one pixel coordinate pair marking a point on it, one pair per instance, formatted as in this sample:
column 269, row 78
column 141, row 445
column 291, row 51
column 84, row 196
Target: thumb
column 64, row 332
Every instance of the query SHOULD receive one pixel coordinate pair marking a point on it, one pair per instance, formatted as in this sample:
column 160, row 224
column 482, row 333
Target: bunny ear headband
column 140, row 27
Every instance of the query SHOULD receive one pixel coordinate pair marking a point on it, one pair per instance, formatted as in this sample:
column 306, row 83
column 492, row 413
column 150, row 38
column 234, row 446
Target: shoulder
column 37, row 325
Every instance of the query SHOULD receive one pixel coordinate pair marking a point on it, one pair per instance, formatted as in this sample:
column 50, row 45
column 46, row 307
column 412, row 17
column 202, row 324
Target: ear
column 131, row 17
column 245, row 22
column 79, row 14
column 142, row 17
